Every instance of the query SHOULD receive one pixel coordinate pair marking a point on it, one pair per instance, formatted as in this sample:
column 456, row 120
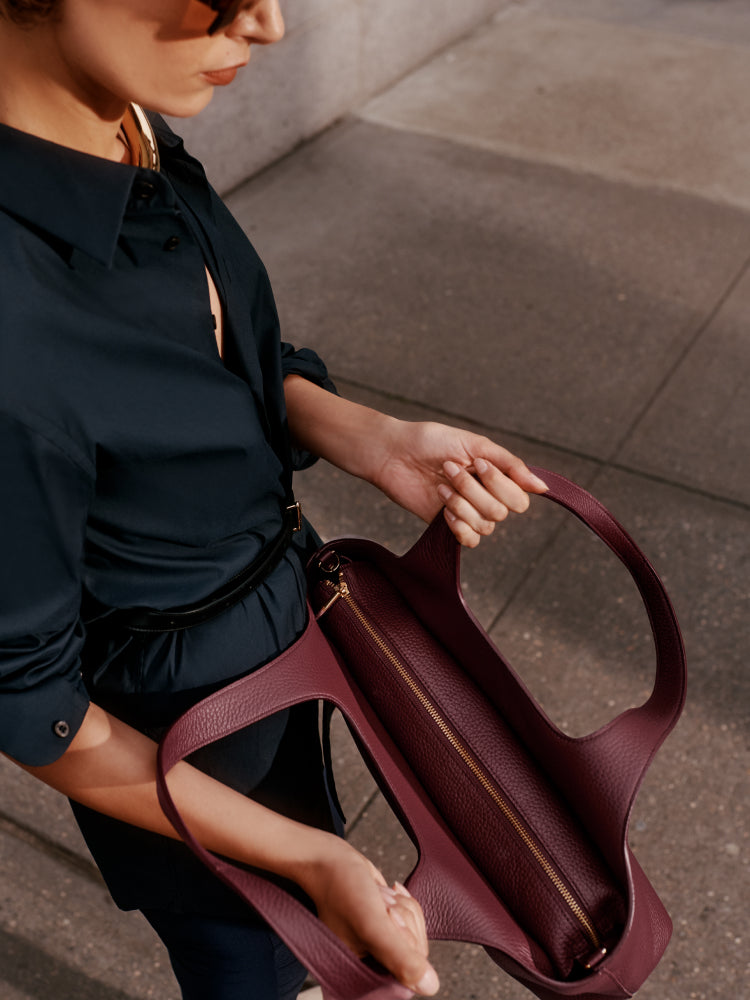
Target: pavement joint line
column 542, row 8
column 28, row 835
column 530, row 439
column 518, row 155
column 697, row 491
column 353, row 115
column 681, row 357
column 601, row 469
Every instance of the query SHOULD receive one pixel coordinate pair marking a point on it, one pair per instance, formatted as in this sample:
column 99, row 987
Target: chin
column 182, row 107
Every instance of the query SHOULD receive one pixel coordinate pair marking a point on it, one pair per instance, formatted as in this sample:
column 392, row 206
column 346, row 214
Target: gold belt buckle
column 296, row 508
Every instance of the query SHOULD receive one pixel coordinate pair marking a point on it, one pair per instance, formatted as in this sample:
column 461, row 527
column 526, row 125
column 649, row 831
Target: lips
column 221, row 77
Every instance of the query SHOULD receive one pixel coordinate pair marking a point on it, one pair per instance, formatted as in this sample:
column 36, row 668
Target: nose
column 261, row 22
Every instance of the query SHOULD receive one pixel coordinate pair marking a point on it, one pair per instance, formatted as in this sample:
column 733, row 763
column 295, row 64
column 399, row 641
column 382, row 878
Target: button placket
column 144, row 190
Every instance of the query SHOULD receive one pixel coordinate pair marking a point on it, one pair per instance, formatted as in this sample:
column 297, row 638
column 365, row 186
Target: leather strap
column 186, row 616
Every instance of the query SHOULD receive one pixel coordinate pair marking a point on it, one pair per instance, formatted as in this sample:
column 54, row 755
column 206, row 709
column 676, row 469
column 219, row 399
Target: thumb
column 394, row 947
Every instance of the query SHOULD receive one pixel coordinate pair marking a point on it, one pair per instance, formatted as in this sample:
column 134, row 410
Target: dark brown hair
column 27, row 12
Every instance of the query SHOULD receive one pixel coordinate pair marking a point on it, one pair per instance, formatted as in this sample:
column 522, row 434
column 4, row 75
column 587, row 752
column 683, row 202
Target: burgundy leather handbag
column 521, row 829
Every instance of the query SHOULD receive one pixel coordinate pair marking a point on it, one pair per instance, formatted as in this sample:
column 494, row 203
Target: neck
column 40, row 95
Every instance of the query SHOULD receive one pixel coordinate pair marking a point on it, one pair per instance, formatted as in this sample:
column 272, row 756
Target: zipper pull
column 341, row 589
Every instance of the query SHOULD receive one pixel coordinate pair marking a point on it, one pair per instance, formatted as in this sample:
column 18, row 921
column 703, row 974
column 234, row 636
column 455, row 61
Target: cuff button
column 61, row 729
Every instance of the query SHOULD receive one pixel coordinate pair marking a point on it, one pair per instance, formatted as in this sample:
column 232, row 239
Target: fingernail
column 444, row 492
column 540, row 484
column 387, row 893
column 429, row 983
column 450, row 516
column 397, row 918
column 481, row 466
column 451, row 469
column 401, row 889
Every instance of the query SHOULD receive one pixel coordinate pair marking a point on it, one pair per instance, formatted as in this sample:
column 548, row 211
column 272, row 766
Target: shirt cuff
column 38, row 723
column 306, row 363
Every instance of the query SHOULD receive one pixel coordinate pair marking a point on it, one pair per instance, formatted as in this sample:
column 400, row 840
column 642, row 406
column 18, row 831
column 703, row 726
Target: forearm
column 353, row 437
column 111, row 768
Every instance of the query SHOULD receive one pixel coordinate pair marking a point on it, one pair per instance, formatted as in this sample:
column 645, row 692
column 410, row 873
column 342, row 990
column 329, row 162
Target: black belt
column 174, row 619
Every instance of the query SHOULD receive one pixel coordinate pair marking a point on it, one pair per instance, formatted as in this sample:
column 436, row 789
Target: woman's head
column 158, row 53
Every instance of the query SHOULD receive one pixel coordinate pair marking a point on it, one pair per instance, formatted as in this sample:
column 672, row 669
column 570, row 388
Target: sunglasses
column 226, row 11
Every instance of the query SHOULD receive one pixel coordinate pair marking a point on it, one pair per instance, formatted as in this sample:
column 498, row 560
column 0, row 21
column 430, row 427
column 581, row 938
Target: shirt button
column 144, row 190
column 172, row 243
column 61, row 729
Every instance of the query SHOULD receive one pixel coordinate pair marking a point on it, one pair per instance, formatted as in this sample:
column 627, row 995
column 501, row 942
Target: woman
column 149, row 417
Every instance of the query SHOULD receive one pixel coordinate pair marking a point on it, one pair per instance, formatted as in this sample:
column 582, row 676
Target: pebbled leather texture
column 576, row 794
column 486, row 785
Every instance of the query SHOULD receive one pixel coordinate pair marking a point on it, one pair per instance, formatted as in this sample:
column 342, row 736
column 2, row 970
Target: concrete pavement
column 543, row 233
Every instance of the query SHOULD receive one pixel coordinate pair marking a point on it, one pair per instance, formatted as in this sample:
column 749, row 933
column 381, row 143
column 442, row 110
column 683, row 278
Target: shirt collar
column 77, row 198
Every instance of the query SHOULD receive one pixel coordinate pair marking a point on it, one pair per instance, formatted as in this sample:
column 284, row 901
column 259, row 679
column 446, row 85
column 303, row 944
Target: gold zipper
column 342, row 591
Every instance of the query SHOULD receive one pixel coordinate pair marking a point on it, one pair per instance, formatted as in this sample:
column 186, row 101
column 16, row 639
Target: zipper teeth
column 476, row 769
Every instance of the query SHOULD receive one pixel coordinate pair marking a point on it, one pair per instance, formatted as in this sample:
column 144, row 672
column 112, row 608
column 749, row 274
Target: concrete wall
column 336, row 54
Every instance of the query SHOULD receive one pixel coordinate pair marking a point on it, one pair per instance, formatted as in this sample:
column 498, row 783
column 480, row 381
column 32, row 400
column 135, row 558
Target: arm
column 422, row 465
column 99, row 761
column 111, row 767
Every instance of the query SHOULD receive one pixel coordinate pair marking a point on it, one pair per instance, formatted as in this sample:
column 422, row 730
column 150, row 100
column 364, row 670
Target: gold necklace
column 138, row 136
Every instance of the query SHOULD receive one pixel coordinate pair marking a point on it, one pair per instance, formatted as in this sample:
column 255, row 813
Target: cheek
column 101, row 47
column 147, row 51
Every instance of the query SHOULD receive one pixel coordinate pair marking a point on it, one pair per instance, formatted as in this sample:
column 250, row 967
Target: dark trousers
column 216, row 959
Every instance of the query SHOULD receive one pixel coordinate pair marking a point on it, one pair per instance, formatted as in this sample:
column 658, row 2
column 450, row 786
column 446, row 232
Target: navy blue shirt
column 137, row 466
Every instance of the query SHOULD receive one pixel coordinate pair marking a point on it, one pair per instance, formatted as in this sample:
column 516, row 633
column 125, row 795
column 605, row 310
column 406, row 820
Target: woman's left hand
column 475, row 480
column 423, row 465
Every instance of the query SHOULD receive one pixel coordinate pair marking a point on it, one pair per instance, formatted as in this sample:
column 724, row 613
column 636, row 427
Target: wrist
column 351, row 436
column 318, row 854
column 377, row 445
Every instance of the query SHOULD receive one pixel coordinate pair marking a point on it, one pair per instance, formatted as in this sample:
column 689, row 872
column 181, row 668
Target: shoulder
column 35, row 322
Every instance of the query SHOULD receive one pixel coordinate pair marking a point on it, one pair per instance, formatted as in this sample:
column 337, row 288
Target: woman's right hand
column 112, row 768
column 353, row 899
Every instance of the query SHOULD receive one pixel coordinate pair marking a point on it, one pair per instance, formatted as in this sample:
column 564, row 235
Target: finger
column 463, row 533
column 409, row 949
column 465, row 510
column 406, row 913
column 405, row 920
column 393, row 943
column 428, row 984
column 388, row 895
column 514, row 468
column 501, row 486
column 404, row 893
column 492, row 494
column 415, row 914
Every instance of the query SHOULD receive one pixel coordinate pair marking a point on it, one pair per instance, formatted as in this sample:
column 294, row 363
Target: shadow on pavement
column 31, row 971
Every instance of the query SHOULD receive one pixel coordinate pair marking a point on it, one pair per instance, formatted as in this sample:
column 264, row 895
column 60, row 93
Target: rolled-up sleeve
column 306, row 363
column 44, row 498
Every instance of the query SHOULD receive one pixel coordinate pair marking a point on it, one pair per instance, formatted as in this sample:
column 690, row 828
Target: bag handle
column 284, row 682
column 642, row 729
column 429, row 576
